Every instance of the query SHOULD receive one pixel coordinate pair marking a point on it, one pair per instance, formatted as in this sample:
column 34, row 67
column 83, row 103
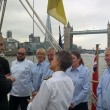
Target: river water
column 88, row 61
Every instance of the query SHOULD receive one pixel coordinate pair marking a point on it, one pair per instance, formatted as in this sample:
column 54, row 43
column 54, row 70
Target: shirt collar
column 58, row 73
column 78, row 69
column 42, row 63
column 109, row 70
column 19, row 61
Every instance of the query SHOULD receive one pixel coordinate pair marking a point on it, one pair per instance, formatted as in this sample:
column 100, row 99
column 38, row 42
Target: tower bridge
column 68, row 30
column 102, row 31
column 69, row 33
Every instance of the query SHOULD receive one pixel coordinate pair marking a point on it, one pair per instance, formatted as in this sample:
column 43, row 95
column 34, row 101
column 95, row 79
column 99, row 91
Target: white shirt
column 21, row 71
column 55, row 93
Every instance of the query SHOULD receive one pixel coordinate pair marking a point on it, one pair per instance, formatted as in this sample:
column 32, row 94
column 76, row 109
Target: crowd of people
column 61, row 83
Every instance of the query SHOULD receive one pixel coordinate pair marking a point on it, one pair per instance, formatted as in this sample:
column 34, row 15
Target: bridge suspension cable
column 2, row 11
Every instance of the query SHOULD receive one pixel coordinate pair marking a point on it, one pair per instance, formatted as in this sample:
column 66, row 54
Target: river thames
column 88, row 61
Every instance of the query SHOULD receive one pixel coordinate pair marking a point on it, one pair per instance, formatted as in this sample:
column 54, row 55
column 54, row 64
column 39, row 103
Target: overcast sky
column 81, row 14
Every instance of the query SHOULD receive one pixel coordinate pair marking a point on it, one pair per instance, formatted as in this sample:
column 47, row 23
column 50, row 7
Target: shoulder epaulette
column 47, row 77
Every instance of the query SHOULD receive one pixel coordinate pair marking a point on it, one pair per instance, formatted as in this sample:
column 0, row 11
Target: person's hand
column 9, row 76
column 34, row 93
column 71, row 106
column 30, row 100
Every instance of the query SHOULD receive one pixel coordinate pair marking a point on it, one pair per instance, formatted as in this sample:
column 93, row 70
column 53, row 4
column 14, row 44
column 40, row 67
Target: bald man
column 21, row 89
column 5, row 78
column 103, row 89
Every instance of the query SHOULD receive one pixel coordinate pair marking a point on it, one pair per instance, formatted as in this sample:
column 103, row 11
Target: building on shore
column 11, row 45
column 33, row 44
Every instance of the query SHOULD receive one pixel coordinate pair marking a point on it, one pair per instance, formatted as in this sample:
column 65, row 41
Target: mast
column 33, row 32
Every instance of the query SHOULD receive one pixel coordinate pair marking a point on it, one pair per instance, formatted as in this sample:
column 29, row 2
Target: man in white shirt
column 21, row 89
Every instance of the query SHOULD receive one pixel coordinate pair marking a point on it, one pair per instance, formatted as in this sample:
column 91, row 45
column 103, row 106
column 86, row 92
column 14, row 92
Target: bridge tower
column 108, row 35
column 68, row 37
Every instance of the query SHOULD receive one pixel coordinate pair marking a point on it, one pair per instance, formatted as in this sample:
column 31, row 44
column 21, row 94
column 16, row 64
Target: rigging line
column 35, row 22
column 3, row 12
column 33, row 32
column 43, row 25
column 0, row 4
column 57, row 45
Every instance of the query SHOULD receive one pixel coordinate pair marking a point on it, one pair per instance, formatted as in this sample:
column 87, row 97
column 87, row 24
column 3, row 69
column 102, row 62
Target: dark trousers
column 81, row 106
column 4, row 102
column 16, row 102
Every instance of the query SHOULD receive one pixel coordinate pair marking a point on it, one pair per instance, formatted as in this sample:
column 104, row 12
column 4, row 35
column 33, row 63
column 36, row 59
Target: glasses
column 19, row 53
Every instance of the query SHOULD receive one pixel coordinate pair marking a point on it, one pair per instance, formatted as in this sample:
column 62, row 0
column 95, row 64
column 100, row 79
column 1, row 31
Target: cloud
column 82, row 15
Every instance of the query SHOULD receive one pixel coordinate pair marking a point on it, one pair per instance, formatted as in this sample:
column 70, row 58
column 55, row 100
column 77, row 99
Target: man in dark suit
column 5, row 78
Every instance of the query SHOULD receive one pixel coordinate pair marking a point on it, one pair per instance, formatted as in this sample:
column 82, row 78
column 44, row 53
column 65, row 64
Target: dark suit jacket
column 5, row 84
column 5, row 88
column 4, row 65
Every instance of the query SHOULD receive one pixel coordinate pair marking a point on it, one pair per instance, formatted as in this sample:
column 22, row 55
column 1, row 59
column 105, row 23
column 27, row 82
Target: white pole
column 33, row 32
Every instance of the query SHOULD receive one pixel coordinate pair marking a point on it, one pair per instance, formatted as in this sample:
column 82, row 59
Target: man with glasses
column 21, row 89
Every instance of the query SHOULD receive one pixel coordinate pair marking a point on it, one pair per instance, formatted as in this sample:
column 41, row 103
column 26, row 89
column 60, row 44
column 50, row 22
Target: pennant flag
column 55, row 9
column 95, row 79
column 60, row 39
